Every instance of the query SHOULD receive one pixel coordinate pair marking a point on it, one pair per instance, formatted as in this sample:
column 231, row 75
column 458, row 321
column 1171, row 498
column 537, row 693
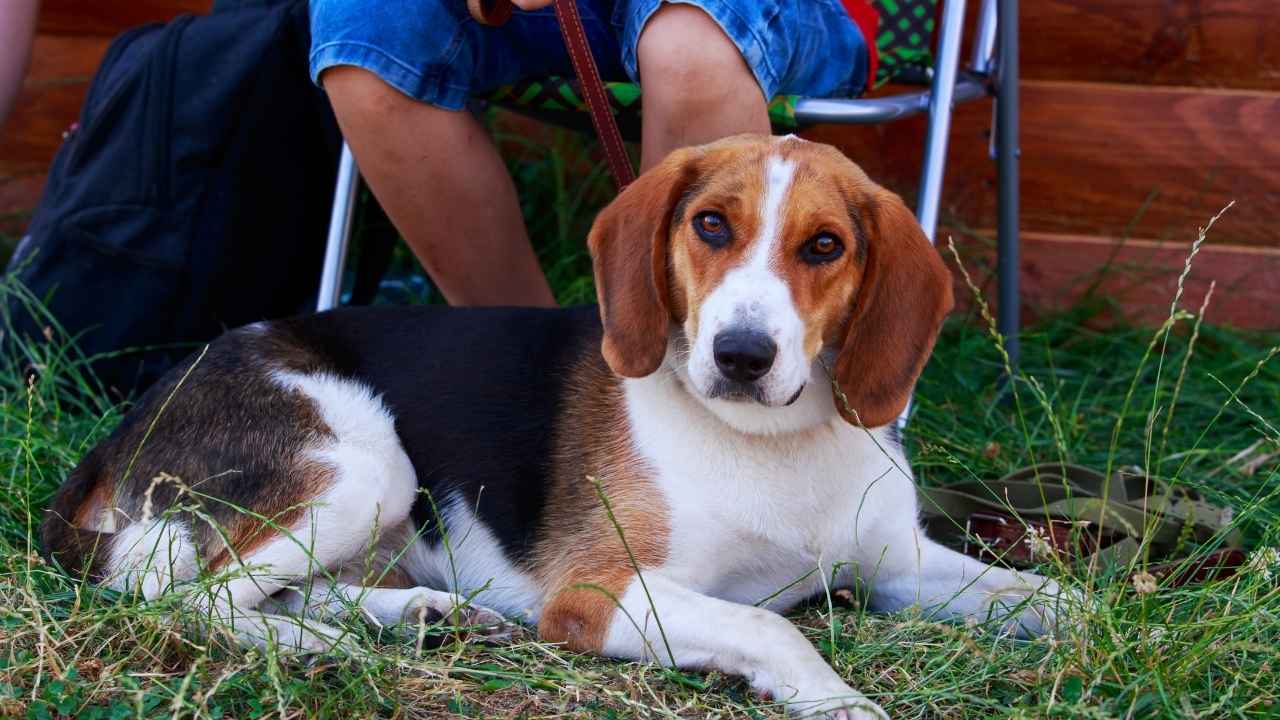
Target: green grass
column 71, row 650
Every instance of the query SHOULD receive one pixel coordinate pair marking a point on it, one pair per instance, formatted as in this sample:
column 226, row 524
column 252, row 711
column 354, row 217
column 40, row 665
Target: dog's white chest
column 757, row 518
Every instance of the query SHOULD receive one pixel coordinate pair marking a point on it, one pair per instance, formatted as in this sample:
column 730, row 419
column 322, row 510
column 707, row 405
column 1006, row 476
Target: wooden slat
column 1138, row 276
column 62, row 58
column 111, row 17
column 49, row 102
column 18, row 197
column 1209, row 43
column 1105, row 160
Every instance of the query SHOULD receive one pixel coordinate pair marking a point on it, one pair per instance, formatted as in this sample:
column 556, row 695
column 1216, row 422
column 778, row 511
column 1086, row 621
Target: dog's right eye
column 712, row 228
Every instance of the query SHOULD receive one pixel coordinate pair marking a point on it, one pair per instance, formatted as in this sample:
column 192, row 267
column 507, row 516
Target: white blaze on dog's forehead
column 792, row 141
column 777, row 180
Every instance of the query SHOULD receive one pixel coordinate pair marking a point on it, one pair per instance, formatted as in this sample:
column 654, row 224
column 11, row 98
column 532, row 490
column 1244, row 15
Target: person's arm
column 17, row 30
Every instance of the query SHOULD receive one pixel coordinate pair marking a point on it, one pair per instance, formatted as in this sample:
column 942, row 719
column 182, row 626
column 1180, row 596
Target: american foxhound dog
column 654, row 478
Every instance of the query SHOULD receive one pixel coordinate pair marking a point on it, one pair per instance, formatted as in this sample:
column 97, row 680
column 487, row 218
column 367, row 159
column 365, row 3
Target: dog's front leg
column 913, row 570
column 673, row 625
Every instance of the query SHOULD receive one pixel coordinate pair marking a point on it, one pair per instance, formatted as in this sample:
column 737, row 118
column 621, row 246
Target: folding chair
column 904, row 52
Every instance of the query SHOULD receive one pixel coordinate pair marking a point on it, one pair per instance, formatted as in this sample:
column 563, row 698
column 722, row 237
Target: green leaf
column 1072, row 688
column 690, row 681
column 493, row 684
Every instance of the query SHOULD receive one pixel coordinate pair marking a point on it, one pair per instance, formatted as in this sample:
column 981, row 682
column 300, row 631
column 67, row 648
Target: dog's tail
column 80, row 552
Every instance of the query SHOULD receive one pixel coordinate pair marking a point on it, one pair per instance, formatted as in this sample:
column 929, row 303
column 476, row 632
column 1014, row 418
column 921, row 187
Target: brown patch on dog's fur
column 579, row 558
column 248, row 532
column 393, row 577
column 93, row 511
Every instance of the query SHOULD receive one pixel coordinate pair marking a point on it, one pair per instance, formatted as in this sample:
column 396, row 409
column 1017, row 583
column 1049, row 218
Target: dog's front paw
column 829, row 699
column 431, row 606
column 851, row 706
column 850, row 709
column 1034, row 606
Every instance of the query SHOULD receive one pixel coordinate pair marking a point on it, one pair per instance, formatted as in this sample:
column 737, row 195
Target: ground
column 1196, row 403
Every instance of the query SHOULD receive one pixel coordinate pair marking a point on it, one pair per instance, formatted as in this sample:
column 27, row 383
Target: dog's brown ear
column 898, row 310
column 628, row 244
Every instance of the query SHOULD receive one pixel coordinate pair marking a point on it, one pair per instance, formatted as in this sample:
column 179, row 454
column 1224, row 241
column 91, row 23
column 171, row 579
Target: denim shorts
column 433, row 51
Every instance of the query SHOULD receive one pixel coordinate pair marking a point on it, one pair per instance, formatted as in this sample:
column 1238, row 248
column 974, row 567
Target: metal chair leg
column 335, row 252
column 984, row 39
column 941, row 101
column 1007, row 152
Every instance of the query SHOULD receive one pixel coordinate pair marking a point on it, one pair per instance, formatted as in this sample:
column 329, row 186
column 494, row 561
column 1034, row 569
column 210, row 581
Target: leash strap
column 584, row 66
column 497, row 12
column 1079, row 513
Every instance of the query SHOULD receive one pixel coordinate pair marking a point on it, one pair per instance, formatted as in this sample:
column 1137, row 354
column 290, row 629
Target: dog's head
column 758, row 266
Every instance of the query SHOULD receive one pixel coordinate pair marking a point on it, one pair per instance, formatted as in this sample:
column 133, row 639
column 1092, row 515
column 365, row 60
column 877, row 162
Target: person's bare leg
column 17, row 33
column 697, row 87
column 442, row 182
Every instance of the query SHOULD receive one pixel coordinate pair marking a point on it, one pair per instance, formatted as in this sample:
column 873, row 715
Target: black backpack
column 193, row 196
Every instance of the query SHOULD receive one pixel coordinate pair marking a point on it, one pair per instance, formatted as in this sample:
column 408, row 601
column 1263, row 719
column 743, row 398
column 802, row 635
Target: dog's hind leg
column 157, row 557
column 361, row 488
column 236, row 602
column 372, row 489
column 394, row 606
column 379, row 588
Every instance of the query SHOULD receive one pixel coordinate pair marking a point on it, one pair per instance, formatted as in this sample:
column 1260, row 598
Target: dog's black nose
column 744, row 355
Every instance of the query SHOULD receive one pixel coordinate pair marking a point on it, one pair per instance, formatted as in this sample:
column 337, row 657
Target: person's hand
column 528, row 5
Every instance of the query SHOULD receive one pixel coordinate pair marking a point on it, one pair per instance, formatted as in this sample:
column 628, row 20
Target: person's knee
column 685, row 54
column 356, row 91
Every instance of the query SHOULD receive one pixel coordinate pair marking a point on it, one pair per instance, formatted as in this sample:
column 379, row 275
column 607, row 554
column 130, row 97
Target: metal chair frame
column 993, row 70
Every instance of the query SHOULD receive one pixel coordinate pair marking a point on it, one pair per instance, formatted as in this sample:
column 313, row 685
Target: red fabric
column 868, row 21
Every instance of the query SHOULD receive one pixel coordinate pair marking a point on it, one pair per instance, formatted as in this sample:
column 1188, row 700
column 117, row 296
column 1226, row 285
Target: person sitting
column 399, row 76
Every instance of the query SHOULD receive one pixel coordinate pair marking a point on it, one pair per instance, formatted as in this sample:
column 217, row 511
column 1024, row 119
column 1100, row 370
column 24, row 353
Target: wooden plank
column 1210, row 43
column 106, row 17
column 1139, row 277
column 19, row 194
column 61, row 58
column 49, row 102
column 1104, row 160
column 18, row 197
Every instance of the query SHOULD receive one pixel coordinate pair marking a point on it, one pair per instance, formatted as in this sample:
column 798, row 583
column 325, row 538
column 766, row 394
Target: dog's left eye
column 712, row 228
column 821, row 248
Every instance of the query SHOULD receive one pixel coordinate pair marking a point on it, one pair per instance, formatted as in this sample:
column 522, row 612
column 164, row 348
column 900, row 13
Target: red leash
column 497, row 12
